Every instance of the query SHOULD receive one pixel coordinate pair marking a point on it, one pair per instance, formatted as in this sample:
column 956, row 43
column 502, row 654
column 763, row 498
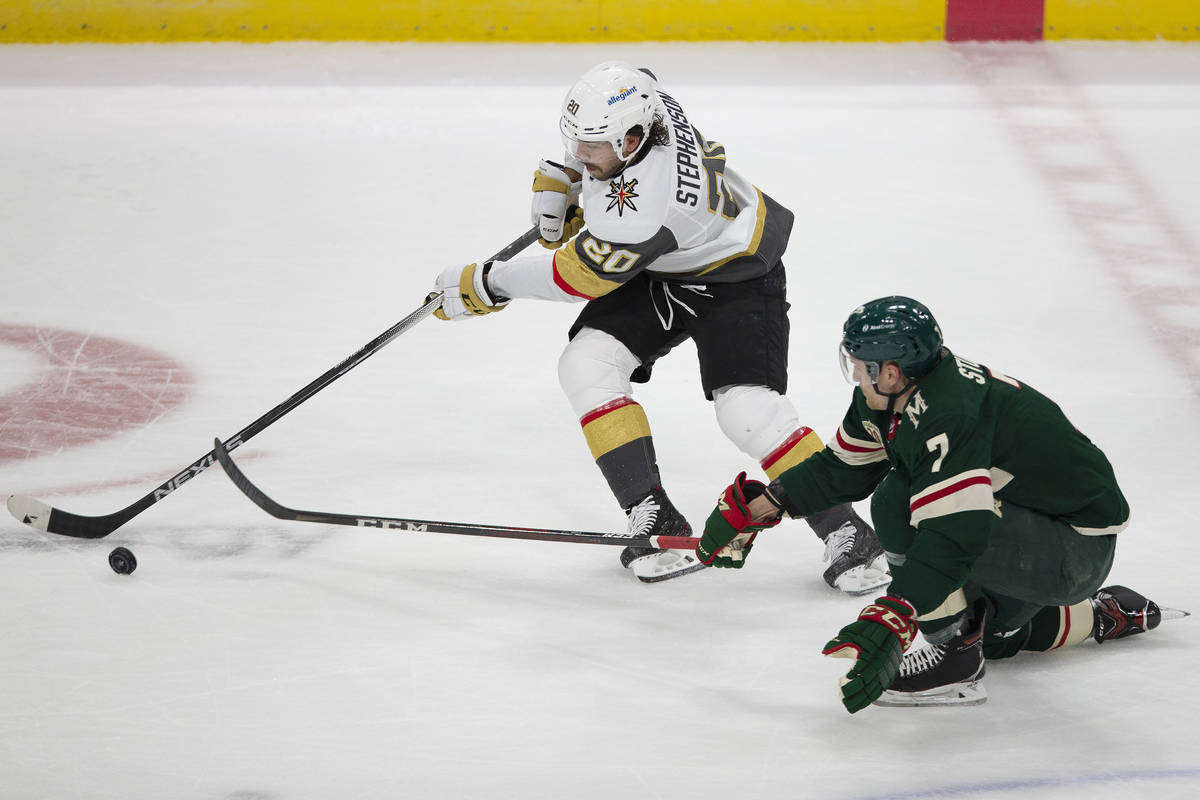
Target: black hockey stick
column 54, row 520
column 278, row 511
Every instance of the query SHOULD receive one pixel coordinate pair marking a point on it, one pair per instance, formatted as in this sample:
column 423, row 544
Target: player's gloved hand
column 465, row 293
column 730, row 529
column 876, row 641
column 555, row 207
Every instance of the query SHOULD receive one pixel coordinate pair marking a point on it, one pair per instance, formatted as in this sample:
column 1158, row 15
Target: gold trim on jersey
column 760, row 221
column 574, row 276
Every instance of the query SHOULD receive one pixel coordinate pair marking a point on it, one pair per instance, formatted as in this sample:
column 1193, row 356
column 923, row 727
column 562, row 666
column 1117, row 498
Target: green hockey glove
column 730, row 529
column 876, row 641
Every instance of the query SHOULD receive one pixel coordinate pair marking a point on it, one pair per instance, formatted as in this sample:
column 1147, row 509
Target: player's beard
column 605, row 176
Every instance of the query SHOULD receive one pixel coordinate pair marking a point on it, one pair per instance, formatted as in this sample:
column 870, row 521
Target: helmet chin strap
column 892, row 398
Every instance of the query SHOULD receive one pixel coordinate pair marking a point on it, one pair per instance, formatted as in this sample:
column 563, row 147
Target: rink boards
column 39, row 21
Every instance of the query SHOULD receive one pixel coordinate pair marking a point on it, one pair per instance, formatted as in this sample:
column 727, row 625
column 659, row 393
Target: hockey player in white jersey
column 676, row 246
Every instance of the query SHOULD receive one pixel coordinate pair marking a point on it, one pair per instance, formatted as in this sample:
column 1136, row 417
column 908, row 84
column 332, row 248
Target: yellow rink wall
column 1123, row 19
column 593, row 20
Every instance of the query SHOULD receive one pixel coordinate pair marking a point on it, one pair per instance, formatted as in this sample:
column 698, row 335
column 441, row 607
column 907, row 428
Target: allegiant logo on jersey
column 621, row 95
column 687, row 170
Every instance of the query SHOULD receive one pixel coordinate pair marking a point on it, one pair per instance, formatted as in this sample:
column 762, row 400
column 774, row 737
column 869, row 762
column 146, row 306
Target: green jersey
column 967, row 437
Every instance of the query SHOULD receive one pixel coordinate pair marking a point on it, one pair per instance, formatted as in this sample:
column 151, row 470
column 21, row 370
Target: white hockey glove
column 554, row 209
column 465, row 293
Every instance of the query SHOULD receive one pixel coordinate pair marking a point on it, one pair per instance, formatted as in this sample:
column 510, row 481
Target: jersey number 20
column 607, row 259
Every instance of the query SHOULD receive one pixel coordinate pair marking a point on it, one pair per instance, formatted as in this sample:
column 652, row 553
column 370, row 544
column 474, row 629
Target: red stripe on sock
column 1066, row 627
column 607, row 408
column 787, row 445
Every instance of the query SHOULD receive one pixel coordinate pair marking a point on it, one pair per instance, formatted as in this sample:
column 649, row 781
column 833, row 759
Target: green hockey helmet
column 893, row 328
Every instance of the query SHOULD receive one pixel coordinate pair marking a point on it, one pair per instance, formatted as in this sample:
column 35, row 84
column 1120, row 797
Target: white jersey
column 678, row 213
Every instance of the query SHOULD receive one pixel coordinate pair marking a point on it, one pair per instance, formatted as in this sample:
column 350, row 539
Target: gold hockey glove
column 465, row 293
column 554, row 209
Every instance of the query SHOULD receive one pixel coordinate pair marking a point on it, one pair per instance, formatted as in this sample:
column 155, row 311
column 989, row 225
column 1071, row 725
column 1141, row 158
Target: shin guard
column 618, row 434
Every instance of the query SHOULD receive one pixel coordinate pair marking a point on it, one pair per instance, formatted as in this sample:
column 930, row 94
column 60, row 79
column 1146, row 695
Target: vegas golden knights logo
column 620, row 195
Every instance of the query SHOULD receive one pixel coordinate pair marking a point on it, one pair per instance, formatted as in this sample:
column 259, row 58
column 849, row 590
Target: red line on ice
column 1130, row 230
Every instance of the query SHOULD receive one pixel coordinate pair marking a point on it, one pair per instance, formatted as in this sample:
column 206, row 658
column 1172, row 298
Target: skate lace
column 840, row 542
column 920, row 660
column 641, row 518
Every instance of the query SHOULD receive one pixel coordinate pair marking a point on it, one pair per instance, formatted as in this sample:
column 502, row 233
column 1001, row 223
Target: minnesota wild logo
column 621, row 195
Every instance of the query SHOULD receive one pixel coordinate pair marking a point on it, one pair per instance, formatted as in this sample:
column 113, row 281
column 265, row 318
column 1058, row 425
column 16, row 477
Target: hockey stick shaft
column 260, row 499
column 54, row 520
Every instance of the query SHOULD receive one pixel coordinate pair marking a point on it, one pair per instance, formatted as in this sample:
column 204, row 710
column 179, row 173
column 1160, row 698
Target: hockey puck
column 122, row 561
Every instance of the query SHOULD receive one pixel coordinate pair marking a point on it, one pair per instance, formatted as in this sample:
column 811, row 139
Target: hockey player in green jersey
column 647, row 225
column 999, row 518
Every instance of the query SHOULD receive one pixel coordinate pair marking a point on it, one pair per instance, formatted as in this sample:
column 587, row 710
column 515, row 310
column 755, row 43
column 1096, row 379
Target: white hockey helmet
column 603, row 105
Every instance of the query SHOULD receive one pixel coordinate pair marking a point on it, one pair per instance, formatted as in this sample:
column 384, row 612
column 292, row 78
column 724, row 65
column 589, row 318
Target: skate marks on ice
column 187, row 543
column 1119, row 216
column 1182, row 782
column 87, row 388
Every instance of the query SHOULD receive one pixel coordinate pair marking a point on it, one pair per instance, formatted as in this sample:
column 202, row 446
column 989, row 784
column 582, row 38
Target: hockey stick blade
column 260, row 499
column 44, row 517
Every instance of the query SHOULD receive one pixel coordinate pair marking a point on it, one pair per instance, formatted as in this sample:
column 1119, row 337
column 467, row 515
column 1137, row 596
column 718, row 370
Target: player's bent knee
column 594, row 369
column 756, row 419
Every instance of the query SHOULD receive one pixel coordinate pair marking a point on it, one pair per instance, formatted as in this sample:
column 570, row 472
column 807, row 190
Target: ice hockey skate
column 855, row 559
column 948, row 674
column 654, row 515
column 1121, row 612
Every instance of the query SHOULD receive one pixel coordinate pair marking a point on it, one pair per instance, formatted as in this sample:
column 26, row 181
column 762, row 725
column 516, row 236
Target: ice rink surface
column 189, row 234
